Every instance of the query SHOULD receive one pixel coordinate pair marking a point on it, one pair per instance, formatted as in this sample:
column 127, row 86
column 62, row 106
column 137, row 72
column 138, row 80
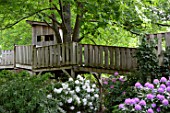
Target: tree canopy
column 87, row 21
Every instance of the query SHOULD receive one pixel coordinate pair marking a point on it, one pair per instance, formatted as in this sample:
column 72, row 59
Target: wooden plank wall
column 7, row 57
column 108, row 57
column 24, row 55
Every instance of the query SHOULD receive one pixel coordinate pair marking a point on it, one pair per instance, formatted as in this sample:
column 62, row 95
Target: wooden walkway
column 78, row 57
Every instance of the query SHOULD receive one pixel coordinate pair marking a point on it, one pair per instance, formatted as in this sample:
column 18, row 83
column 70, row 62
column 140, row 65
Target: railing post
column 14, row 56
column 34, row 56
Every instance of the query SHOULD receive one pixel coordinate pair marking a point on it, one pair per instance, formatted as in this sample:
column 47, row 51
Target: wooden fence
column 69, row 54
column 6, row 57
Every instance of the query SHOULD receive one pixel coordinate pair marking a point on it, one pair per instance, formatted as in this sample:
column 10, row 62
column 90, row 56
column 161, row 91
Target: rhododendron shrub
column 115, row 90
column 76, row 96
column 152, row 98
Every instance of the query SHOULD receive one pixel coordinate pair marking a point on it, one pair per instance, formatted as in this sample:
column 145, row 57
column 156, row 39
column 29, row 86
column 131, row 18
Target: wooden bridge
column 70, row 56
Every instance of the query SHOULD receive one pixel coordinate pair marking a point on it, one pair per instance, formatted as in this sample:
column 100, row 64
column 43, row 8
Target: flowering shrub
column 76, row 96
column 151, row 97
column 115, row 90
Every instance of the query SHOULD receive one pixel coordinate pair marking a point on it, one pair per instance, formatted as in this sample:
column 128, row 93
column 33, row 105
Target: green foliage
column 147, row 60
column 24, row 94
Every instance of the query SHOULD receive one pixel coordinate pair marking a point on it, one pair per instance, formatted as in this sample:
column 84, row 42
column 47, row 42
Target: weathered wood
column 63, row 53
column 123, row 58
column 80, row 53
column 106, row 57
column 129, row 59
column 86, row 55
column 59, row 55
column 90, row 55
column 101, row 56
column 167, row 39
column 111, row 50
column 96, row 56
column 117, row 58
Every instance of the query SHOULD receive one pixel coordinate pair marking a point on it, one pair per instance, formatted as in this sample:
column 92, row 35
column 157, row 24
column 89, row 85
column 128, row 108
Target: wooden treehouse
column 45, row 54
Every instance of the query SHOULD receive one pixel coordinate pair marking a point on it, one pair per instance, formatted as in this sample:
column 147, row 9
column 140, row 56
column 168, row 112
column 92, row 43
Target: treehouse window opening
column 49, row 38
column 45, row 38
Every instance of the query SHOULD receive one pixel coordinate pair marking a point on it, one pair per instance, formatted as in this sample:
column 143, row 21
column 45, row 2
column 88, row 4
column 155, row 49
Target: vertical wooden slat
column 59, row 54
column 46, row 56
column 96, row 56
column 159, row 36
column 42, row 56
column 51, row 55
column 129, row 61
column 106, row 51
column 67, row 52
column 111, row 57
column 101, row 55
column 55, row 55
column 39, row 57
column 74, row 61
column 80, row 51
column 34, row 57
column 167, row 38
column 63, row 53
column 123, row 58
column 86, row 55
column 91, row 55
column 117, row 58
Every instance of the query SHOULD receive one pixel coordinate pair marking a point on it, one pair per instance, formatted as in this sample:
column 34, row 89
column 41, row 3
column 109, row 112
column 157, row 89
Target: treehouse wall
column 42, row 34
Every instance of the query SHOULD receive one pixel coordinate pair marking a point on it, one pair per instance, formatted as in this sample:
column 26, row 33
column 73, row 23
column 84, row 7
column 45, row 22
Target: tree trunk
column 66, row 24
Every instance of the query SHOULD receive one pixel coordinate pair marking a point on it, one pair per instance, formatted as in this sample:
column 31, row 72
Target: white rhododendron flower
column 69, row 100
column 70, row 79
column 58, row 90
column 94, row 86
column 91, row 107
column 72, row 107
column 77, row 82
column 88, row 90
column 87, row 81
column 77, row 89
column 78, row 112
column 92, row 90
column 49, row 96
column 84, row 100
column 84, row 87
column 72, row 92
column 60, row 103
column 66, row 92
column 88, row 96
column 90, row 103
column 92, row 98
column 96, row 95
column 65, row 85
column 80, row 77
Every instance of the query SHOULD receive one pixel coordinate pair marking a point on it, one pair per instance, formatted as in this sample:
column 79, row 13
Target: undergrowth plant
column 147, row 60
column 22, row 93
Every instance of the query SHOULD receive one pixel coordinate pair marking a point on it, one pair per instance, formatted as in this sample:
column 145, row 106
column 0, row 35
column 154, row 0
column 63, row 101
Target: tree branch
column 79, row 16
column 164, row 25
column 51, row 17
column 61, row 10
column 11, row 25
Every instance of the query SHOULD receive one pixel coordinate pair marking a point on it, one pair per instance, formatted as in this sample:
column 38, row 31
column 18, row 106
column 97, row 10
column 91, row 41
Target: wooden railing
column 7, row 57
column 69, row 54
column 106, row 56
column 55, row 55
column 23, row 55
